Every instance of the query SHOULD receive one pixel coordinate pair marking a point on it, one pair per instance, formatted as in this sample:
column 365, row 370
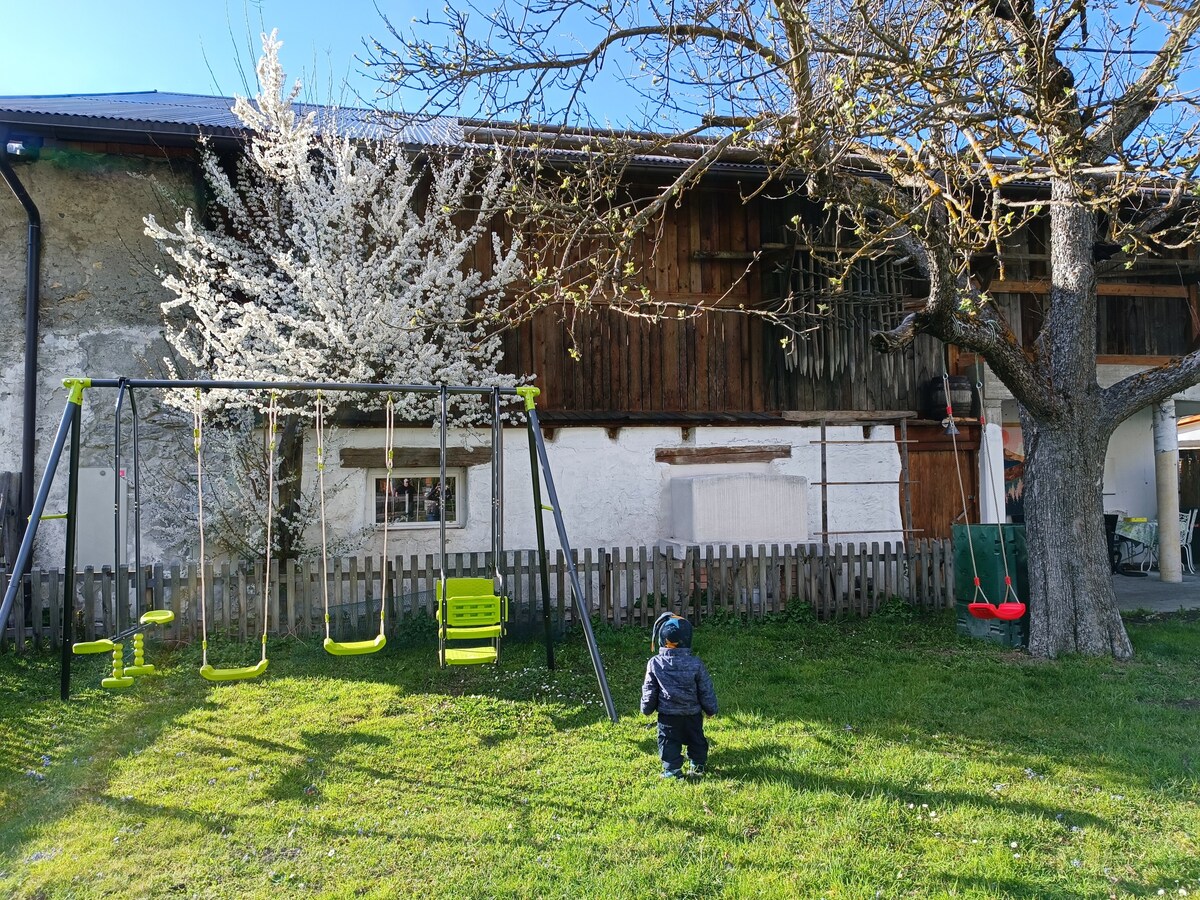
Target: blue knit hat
column 670, row 628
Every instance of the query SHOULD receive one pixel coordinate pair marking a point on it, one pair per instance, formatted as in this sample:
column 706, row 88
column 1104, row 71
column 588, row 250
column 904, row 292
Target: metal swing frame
column 70, row 426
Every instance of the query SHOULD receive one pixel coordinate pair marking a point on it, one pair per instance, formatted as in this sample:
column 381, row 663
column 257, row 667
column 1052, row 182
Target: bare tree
column 932, row 131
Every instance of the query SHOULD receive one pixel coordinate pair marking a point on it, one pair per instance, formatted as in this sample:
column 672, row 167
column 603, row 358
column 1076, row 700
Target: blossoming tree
column 324, row 258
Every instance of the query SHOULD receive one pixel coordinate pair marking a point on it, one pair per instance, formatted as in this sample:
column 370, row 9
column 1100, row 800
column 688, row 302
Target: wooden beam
column 412, row 457
column 1103, row 289
column 723, row 255
column 1117, row 360
column 695, row 456
column 846, row 416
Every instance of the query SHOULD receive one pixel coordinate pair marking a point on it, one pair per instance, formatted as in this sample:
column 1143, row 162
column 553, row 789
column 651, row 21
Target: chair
column 1186, row 521
column 474, row 612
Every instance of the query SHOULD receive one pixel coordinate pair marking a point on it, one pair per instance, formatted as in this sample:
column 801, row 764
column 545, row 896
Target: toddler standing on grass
column 679, row 688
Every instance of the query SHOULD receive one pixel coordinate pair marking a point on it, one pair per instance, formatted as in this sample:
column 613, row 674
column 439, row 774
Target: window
column 414, row 498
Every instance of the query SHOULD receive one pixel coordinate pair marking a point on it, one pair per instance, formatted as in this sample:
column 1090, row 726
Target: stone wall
column 99, row 309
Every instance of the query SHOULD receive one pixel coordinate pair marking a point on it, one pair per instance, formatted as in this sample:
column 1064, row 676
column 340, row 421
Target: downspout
column 33, row 253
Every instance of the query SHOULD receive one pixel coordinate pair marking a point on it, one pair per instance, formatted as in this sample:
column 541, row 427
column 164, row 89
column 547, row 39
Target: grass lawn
column 887, row 758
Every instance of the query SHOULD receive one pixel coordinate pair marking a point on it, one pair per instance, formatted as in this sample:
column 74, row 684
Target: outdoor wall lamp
column 26, row 148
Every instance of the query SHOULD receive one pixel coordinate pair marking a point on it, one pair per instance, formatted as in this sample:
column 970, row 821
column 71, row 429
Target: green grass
column 879, row 759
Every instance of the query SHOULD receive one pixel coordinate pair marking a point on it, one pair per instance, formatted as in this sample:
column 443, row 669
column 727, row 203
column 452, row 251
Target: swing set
column 1007, row 610
column 469, row 610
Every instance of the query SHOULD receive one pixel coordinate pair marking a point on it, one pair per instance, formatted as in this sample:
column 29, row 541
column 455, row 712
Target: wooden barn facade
column 711, row 391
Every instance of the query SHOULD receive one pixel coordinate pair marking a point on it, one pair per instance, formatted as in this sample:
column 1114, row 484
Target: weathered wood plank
column 413, row 457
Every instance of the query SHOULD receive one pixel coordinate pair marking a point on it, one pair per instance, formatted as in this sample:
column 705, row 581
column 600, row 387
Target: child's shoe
column 671, row 773
column 697, row 771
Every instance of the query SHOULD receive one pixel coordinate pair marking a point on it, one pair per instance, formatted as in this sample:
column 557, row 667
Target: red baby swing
column 980, row 607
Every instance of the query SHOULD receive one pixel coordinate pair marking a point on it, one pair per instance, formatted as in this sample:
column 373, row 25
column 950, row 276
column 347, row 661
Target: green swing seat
column 354, row 648
column 239, row 673
column 473, row 612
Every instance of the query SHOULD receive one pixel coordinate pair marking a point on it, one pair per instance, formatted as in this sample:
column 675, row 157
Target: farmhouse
column 700, row 430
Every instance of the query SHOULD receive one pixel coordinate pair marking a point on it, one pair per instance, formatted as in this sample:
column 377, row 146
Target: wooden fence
column 622, row 586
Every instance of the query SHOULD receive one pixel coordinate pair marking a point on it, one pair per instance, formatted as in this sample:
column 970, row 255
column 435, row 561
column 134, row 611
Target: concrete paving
column 1150, row 594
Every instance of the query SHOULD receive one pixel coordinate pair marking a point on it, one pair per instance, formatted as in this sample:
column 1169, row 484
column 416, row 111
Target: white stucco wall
column 613, row 492
column 1129, row 463
column 1129, row 467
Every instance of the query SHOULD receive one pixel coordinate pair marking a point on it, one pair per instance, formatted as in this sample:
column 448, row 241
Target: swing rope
column 389, row 438
column 1009, row 590
column 962, row 492
column 321, row 492
column 197, row 419
column 273, row 428
column 244, row 672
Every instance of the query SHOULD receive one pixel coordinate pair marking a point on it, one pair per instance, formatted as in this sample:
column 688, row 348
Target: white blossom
column 325, row 259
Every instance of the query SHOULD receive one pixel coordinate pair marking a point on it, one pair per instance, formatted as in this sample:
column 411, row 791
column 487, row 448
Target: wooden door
column 933, row 482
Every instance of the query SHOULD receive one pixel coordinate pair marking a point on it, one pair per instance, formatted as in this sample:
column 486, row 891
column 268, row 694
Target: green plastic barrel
column 992, row 545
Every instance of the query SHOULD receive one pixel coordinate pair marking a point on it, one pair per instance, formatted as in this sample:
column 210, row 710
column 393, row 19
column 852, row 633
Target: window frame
column 456, row 476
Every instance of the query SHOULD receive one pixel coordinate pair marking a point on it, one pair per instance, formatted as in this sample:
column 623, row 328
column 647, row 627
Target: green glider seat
column 104, row 645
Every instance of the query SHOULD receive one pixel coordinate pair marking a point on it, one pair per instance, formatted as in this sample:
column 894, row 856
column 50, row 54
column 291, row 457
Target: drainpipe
column 33, row 253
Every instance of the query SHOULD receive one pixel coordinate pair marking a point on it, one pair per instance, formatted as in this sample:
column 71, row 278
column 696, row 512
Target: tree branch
column 1132, row 109
column 1127, row 396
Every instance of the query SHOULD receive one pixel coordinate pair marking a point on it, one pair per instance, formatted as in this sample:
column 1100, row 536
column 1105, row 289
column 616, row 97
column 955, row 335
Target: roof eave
column 106, row 130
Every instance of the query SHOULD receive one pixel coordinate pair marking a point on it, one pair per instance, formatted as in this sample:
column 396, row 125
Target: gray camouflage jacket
column 677, row 684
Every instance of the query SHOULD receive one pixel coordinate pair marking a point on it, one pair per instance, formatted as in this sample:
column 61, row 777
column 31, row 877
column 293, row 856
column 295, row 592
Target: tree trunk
column 1073, row 608
column 288, row 525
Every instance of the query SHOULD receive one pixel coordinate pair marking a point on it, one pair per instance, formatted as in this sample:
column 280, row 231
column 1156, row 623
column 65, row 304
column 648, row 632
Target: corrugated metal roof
column 182, row 117
column 212, row 115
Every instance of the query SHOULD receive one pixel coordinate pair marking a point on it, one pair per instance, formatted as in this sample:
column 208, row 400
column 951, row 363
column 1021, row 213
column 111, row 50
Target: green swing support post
column 67, row 426
column 68, row 607
column 529, row 395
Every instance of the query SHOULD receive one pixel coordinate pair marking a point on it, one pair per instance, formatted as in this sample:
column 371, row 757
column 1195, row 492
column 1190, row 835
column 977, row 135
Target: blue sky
column 200, row 47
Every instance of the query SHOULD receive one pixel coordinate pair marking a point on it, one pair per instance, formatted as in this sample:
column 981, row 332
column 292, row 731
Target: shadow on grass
column 108, row 727
column 893, row 684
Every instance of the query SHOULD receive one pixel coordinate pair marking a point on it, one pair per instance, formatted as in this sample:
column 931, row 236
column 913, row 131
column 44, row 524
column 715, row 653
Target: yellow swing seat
column 157, row 617
column 355, row 648
column 473, row 612
column 470, row 656
column 116, row 684
column 104, row 645
column 240, row 673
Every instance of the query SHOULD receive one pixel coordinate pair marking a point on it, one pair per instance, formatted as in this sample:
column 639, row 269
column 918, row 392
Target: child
column 678, row 687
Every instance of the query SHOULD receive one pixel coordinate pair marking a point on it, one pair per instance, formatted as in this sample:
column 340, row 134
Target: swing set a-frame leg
column 581, row 607
column 67, row 426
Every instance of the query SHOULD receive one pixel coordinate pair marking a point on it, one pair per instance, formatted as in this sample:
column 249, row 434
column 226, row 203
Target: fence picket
column 622, row 585
column 558, row 570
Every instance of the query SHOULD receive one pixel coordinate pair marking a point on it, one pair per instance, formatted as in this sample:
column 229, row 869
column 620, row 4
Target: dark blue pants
column 676, row 731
